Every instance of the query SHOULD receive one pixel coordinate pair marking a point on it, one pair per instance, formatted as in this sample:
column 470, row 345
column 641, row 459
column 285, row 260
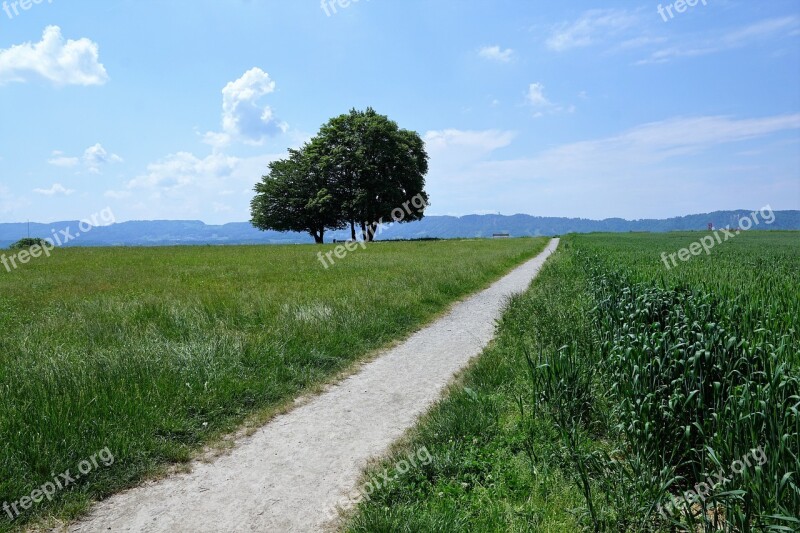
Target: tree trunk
column 373, row 230
column 364, row 234
column 353, row 230
column 318, row 236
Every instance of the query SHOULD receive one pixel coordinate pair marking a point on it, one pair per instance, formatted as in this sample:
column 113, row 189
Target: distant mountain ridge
column 187, row 232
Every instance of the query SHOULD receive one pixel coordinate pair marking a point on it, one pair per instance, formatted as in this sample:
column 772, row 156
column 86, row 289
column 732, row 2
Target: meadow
column 147, row 355
column 620, row 395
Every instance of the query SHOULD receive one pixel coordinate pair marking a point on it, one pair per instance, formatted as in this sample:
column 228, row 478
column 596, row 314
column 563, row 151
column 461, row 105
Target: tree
column 358, row 170
column 24, row 244
column 295, row 196
column 376, row 166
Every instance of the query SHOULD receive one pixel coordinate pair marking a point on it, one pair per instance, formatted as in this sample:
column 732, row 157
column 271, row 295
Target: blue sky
column 172, row 109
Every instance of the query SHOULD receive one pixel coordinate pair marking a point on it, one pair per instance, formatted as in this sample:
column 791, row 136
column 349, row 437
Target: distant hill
column 175, row 232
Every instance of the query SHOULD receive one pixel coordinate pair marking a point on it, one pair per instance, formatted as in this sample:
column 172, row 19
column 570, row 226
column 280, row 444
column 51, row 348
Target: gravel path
column 289, row 475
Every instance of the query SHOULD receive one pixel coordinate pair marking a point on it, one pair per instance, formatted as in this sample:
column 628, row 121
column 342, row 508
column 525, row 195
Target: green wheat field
column 614, row 389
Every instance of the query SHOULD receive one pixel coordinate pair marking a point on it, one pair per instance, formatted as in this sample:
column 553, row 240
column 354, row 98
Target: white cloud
column 650, row 170
column 761, row 29
column 184, row 169
column 495, row 53
column 536, row 97
column 215, row 188
column 56, row 189
column 740, row 37
column 629, row 31
column 451, row 150
column 469, row 144
column 658, row 142
column 59, row 62
column 60, row 160
column 243, row 118
column 590, row 28
column 96, row 157
column 117, row 195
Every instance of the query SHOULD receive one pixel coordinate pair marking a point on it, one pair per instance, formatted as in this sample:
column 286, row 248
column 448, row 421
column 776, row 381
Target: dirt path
column 289, row 475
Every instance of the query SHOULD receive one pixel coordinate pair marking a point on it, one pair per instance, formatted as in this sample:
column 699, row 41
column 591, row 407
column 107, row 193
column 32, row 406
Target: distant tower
column 710, row 226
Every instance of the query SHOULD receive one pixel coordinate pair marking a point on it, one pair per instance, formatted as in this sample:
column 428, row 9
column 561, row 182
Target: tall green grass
column 690, row 397
column 626, row 386
column 491, row 470
column 153, row 352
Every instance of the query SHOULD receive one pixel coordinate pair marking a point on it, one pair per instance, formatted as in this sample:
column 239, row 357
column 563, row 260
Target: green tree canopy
column 24, row 244
column 295, row 196
column 377, row 166
column 358, row 170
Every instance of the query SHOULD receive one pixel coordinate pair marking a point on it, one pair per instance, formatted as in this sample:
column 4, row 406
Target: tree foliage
column 356, row 171
column 24, row 244
column 296, row 196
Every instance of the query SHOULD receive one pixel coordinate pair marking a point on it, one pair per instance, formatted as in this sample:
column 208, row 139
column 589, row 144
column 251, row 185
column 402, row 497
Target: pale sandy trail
column 290, row 474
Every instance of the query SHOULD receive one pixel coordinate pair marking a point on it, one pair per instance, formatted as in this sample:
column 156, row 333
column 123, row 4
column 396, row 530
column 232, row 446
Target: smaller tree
column 295, row 196
column 24, row 244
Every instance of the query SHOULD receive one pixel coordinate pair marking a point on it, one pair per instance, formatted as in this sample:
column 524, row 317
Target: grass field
column 615, row 389
column 146, row 354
